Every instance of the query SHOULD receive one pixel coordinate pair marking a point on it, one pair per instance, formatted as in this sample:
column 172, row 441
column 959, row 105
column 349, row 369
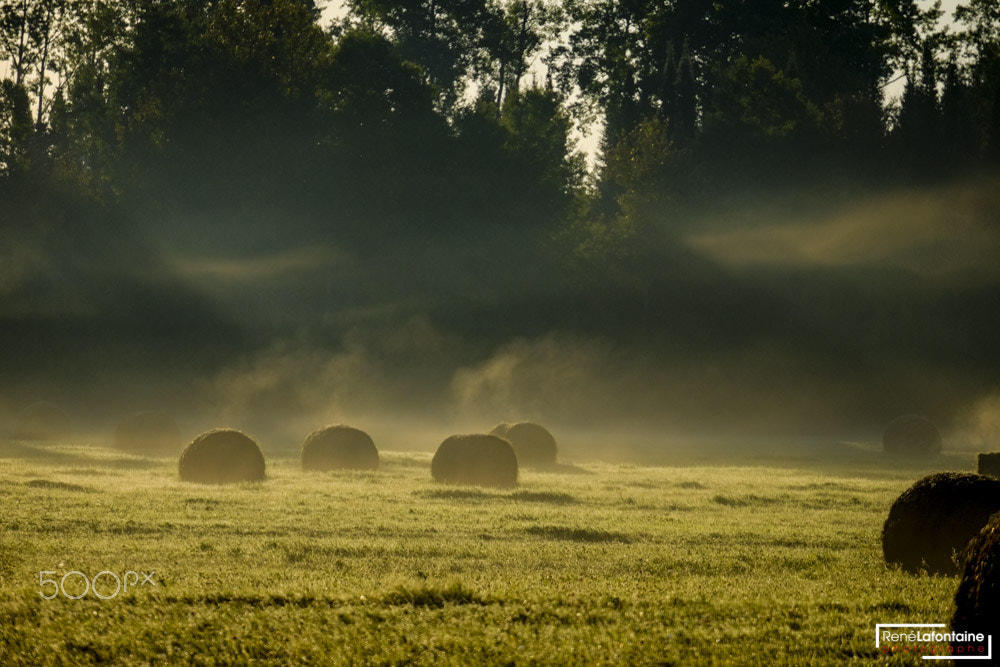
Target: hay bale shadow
column 455, row 494
column 930, row 524
column 20, row 450
column 433, row 597
column 56, row 486
column 56, row 454
column 549, row 497
column 562, row 469
column 477, row 495
column 577, row 534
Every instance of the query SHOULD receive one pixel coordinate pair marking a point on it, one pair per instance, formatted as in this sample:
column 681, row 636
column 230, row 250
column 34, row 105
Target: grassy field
column 589, row 564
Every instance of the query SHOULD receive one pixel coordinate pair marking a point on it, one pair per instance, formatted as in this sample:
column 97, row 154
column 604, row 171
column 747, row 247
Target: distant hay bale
column 485, row 460
column 339, row 447
column 977, row 600
column 989, row 464
column 154, row 432
column 221, row 456
column 911, row 434
column 43, row 421
column 532, row 443
column 931, row 523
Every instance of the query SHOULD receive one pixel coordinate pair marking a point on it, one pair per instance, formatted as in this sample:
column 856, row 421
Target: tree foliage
column 425, row 118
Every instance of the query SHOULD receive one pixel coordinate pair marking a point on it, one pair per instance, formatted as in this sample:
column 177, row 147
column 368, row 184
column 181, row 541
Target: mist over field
column 340, row 221
column 827, row 322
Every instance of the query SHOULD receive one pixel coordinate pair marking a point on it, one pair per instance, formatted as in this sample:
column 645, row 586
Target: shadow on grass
column 455, row 494
column 577, row 534
column 59, row 486
column 427, row 596
column 543, row 497
column 560, row 469
column 479, row 495
column 390, row 462
column 13, row 449
column 253, row 600
column 746, row 500
column 423, row 596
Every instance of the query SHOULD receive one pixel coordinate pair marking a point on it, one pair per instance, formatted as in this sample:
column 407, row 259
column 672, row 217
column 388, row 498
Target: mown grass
column 697, row 564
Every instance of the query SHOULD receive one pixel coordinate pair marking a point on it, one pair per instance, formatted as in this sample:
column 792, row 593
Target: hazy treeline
column 205, row 188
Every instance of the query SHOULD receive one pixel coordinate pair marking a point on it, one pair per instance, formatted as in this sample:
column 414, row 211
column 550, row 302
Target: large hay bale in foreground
column 977, row 600
column 43, row 421
column 931, row 523
column 989, row 464
column 532, row 443
column 154, row 432
column 485, row 460
column 338, row 446
column 913, row 435
column 221, row 456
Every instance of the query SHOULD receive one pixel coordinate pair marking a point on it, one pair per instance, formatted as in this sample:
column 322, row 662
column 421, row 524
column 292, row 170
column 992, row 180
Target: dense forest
column 208, row 198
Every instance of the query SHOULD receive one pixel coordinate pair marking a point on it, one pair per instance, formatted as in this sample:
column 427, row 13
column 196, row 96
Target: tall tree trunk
column 503, row 75
column 22, row 44
column 42, row 65
column 522, row 38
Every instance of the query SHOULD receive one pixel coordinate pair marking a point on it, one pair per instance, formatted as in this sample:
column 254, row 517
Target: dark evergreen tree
column 981, row 41
column 918, row 131
column 957, row 120
column 668, row 85
column 685, row 117
column 15, row 127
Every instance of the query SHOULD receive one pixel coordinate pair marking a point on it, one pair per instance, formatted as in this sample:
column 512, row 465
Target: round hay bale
column 148, row 432
column 931, row 523
column 221, row 456
column 532, row 443
column 339, row 447
column 43, row 421
column 989, row 464
column 913, row 435
column 977, row 600
column 485, row 460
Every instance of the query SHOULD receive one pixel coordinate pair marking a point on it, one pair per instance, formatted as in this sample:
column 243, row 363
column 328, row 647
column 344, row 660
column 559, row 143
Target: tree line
column 447, row 118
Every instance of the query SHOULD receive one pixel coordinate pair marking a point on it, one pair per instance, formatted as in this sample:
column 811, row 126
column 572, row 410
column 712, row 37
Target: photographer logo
column 932, row 642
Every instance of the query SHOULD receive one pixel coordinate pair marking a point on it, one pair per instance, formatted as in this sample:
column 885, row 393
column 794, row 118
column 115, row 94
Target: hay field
column 592, row 564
